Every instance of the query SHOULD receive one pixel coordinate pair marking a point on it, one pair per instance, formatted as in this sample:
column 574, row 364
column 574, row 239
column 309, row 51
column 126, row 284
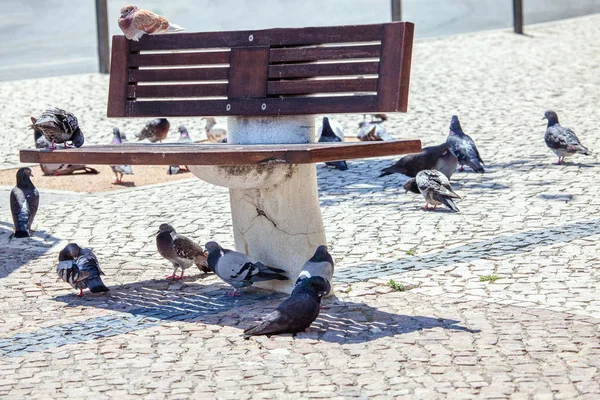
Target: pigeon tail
column 268, row 273
column 175, row 28
column 476, row 165
column 341, row 165
column 96, row 285
column 202, row 263
column 20, row 234
column 448, row 202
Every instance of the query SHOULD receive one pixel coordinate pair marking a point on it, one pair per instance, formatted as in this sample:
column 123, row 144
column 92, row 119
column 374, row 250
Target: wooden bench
column 270, row 84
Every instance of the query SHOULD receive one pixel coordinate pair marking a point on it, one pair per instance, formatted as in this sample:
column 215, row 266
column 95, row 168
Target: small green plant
column 411, row 252
column 398, row 287
column 489, row 278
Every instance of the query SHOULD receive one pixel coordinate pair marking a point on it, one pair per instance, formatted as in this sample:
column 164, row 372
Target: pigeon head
column 183, row 131
column 127, row 11
column 455, row 126
column 165, row 228
column 411, row 186
column 321, row 254
column 552, row 118
column 70, row 252
column 212, row 247
column 24, row 177
column 77, row 138
column 315, row 284
column 116, row 136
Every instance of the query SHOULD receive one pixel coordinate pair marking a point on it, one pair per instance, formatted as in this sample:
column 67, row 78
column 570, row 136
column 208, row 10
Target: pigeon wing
column 16, row 201
column 149, row 22
column 186, row 248
column 33, row 202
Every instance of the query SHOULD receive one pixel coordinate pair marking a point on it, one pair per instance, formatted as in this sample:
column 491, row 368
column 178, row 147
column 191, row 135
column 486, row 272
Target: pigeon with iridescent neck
column 463, row 147
column 562, row 141
column 119, row 170
column 136, row 22
column 24, row 202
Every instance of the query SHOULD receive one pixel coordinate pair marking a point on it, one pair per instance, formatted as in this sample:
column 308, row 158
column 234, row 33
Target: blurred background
column 58, row 37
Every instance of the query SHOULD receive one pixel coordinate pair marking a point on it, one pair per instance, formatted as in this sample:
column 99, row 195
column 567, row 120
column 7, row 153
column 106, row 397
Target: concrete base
column 275, row 208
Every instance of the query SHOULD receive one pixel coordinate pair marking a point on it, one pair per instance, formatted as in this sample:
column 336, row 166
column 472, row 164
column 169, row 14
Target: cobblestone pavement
column 531, row 334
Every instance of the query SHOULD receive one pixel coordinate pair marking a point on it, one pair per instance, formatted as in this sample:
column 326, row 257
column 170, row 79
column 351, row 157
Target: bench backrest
column 322, row 70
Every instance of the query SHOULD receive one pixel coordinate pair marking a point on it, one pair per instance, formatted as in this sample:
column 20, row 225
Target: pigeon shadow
column 557, row 197
column 124, row 184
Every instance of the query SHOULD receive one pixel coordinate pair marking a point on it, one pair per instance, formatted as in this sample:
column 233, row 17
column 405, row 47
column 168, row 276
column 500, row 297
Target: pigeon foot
column 80, row 294
column 233, row 294
column 174, row 277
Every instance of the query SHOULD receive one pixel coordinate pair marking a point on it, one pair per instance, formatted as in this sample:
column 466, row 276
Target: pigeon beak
column 544, row 117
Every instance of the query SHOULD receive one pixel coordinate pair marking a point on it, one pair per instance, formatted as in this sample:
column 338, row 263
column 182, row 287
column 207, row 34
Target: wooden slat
column 218, row 154
column 178, row 74
column 267, row 37
column 313, row 70
column 249, row 107
column 176, row 59
column 189, row 90
column 117, row 89
column 248, row 72
column 324, row 53
column 396, row 49
column 322, row 86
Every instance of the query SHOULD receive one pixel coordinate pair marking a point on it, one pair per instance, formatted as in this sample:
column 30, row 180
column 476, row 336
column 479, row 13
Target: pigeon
column 181, row 251
column 562, row 141
column 215, row 132
column 463, row 147
column 184, row 137
column 237, row 269
column 320, row 264
column 135, row 22
column 373, row 132
column 56, row 169
column 335, row 127
column 24, row 202
column 296, row 313
column 329, row 136
column 79, row 267
column 155, row 130
column 438, row 157
column 58, row 126
column 119, row 170
column 435, row 188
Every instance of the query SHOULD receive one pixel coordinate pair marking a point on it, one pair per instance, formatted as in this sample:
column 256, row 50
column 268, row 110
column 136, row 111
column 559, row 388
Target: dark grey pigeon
column 431, row 157
column 155, row 130
column 184, row 138
column 58, row 126
column 24, row 201
column 237, row 269
column 180, row 251
column 320, row 264
column 119, row 170
column 329, row 136
column 436, row 189
column 79, row 267
column 297, row 312
column 463, row 147
column 562, row 141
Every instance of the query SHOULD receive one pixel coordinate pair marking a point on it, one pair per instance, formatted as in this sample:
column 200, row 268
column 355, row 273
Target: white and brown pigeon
column 119, row 170
column 434, row 187
column 181, row 251
column 58, row 126
column 79, row 267
column 24, row 202
column 237, row 269
column 155, row 130
column 215, row 132
column 562, row 141
column 136, row 22
column 373, row 132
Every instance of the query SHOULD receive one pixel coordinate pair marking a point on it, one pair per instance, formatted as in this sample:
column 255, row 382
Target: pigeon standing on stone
column 119, row 170
column 435, row 188
column 329, row 136
column 181, row 251
column 215, row 132
column 184, row 138
column 373, row 132
column 58, row 126
column 320, row 264
column 562, row 141
column 56, row 169
column 237, row 269
column 135, row 22
column 438, row 157
column 155, row 130
column 297, row 312
column 463, row 147
column 24, row 202
column 79, row 267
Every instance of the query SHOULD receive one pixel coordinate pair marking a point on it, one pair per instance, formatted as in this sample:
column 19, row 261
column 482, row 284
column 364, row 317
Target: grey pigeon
column 237, row 269
column 215, row 132
column 155, row 130
column 433, row 157
column 184, row 138
column 335, row 126
column 435, row 188
column 562, row 141
column 372, row 132
column 296, row 313
column 320, row 264
column 119, row 170
column 329, row 136
column 463, row 147
column 180, row 251
column 79, row 267
column 24, row 202
column 56, row 169
column 58, row 126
